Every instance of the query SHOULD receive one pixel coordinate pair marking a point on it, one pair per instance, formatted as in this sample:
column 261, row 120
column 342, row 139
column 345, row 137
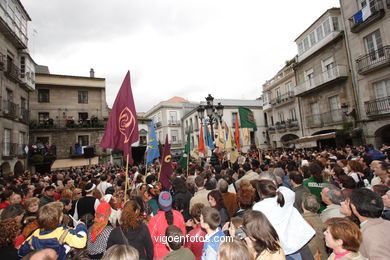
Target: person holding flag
column 166, row 166
column 152, row 149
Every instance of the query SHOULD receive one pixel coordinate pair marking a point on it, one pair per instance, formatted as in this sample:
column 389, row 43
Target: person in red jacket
column 158, row 224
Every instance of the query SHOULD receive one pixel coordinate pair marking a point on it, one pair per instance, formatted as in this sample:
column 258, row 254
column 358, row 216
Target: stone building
column 281, row 108
column 17, row 81
column 324, row 83
column 367, row 33
column 67, row 113
column 166, row 116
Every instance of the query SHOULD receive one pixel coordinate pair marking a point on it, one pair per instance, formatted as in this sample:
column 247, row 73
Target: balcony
column 9, row 150
column 281, row 126
column 267, row 106
column 373, row 61
column 21, row 153
column 271, row 129
column 158, row 124
column 378, row 106
column 67, row 124
column 23, row 115
column 13, row 72
column 174, row 123
column 176, row 142
column 366, row 16
column 326, row 78
column 292, row 125
column 325, row 119
column 9, row 109
column 283, row 99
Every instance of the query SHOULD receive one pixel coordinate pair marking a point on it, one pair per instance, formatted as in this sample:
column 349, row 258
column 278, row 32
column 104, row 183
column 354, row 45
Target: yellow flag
column 220, row 142
column 246, row 134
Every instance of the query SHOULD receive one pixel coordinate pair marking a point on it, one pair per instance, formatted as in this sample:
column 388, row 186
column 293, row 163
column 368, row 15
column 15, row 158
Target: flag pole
column 127, row 178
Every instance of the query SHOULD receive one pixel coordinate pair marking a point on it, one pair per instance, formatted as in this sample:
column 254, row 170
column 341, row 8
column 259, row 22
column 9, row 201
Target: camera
column 240, row 234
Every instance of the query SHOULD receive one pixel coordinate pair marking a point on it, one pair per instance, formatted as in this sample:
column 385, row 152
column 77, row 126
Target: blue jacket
column 76, row 238
column 210, row 247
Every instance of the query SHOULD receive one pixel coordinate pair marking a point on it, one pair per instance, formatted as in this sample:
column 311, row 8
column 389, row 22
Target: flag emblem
column 126, row 123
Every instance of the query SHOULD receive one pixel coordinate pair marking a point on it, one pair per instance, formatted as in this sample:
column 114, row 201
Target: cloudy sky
column 186, row 48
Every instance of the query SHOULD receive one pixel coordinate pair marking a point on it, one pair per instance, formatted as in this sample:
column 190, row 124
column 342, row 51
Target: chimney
column 92, row 73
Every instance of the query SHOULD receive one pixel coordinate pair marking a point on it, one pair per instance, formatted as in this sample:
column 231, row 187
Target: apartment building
column 281, row 108
column 166, row 116
column 67, row 113
column 192, row 121
column 324, row 84
column 17, row 81
column 367, row 24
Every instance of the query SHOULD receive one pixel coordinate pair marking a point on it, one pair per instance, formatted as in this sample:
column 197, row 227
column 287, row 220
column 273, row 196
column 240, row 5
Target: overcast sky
column 171, row 47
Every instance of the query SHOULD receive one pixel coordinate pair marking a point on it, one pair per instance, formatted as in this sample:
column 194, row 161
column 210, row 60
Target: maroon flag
column 166, row 166
column 122, row 126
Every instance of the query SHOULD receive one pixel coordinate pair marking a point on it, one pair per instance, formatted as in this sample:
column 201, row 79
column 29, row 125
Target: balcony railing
column 323, row 79
column 366, row 16
column 267, row 106
column 23, row 115
column 158, row 124
column 9, row 149
column 13, row 72
column 271, row 129
column 292, row 124
column 173, row 122
column 378, row 106
column 9, row 109
column 2, row 62
column 21, row 152
column 61, row 124
column 283, row 98
column 324, row 119
column 176, row 142
column 374, row 60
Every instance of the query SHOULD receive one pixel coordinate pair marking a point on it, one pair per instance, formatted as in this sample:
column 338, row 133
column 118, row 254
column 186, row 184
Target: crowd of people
column 279, row 204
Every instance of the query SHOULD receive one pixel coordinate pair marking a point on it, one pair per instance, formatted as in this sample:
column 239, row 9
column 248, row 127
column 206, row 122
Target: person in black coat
column 181, row 197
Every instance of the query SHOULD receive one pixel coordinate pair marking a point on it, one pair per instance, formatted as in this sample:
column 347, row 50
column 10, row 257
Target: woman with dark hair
column 316, row 182
column 262, row 239
column 181, row 197
column 9, row 230
column 293, row 231
column 245, row 198
column 165, row 217
column 132, row 231
column 216, row 201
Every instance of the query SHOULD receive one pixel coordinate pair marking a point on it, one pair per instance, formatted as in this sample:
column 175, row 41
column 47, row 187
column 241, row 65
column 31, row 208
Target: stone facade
column 68, row 110
column 17, row 81
column 281, row 108
column 369, row 55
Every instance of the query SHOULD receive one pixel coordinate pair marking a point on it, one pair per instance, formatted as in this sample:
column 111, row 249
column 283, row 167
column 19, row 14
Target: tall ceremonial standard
column 122, row 126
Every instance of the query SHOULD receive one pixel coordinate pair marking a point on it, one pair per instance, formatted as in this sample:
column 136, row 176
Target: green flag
column 187, row 149
column 247, row 120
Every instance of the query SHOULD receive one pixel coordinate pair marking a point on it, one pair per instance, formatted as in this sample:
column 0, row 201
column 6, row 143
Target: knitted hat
column 165, row 201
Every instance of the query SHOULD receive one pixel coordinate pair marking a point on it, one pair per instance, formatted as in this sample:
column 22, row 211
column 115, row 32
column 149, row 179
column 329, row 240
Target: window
column 374, row 45
column 293, row 114
column 309, row 77
column 382, row 89
column 83, row 140
column 43, row 140
column 320, row 33
column 174, row 136
column 22, row 66
column 43, row 96
column 328, row 68
column 289, row 88
column 43, row 117
column 281, row 116
column 172, row 116
column 7, row 142
column 234, row 116
column 315, row 113
column 300, row 48
column 23, row 103
column 326, row 25
column 335, row 23
column 83, row 116
column 142, row 139
column 21, row 143
column 334, row 104
column 10, row 95
column 191, row 125
column 306, row 44
column 278, row 94
column 312, row 38
column 83, row 97
column 272, row 120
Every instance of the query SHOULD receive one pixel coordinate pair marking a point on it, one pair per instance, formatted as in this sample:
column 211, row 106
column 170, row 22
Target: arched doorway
column 19, row 168
column 5, row 169
column 382, row 136
column 288, row 137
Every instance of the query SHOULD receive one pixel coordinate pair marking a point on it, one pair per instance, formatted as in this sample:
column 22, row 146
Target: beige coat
column 318, row 241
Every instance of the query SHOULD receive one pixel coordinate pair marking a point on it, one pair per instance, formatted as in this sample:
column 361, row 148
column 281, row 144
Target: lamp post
column 213, row 112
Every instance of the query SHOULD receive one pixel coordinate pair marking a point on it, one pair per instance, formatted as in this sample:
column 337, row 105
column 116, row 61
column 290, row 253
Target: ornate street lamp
column 212, row 112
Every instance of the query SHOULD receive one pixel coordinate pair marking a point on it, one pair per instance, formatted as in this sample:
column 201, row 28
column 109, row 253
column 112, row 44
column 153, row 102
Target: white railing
column 320, row 79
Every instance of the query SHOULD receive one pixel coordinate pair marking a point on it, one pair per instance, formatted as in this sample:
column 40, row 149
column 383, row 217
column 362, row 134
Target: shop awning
column 311, row 138
column 77, row 162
